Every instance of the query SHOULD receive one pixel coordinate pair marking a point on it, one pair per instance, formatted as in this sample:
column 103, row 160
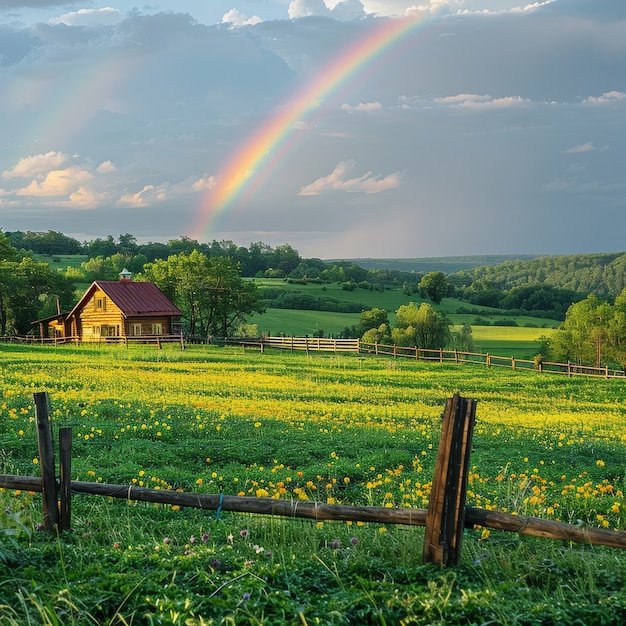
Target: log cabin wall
column 100, row 317
column 157, row 325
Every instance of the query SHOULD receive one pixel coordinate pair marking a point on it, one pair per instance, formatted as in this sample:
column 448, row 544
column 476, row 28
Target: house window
column 110, row 331
column 136, row 329
column 101, row 303
column 157, row 328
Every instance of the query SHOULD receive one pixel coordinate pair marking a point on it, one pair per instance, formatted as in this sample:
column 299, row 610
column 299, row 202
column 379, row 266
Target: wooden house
column 112, row 310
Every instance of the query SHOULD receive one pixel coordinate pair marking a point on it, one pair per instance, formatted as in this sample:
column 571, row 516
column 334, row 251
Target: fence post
column 512, row 362
column 65, row 475
column 46, row 462
column 445, row 519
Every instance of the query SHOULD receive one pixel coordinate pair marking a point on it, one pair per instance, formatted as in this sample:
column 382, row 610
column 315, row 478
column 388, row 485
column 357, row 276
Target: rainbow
column 259, row 151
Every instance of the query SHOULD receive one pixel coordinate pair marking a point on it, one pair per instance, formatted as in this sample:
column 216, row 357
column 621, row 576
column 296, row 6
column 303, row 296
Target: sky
column 347, row 129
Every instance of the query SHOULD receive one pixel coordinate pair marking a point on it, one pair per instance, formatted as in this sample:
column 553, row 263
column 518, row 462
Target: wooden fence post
column 65, row 476
column 46, row 462
column 445, row 519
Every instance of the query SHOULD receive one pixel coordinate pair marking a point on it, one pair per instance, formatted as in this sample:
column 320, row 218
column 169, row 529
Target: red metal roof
column 137, row 298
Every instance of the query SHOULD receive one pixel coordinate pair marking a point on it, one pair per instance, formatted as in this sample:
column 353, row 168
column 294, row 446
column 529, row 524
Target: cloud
column 307, row 8
column 106, row 167
column 89, row 17
column 204, row 183
column 236, row 18
column 35, row 165
column 56, row 183
column 136, row 199
column 363, row 106
column 609, row 97
column 476, row 101
column 338, row 181
column 585, row 147
column 467, row 119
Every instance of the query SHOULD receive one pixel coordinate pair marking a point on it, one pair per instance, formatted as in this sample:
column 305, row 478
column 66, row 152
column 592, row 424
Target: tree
column 434, row 285
column 420, row 326
column 210, row 292
column 374, row 319
column 583, row 337
column 377, row 335
column 29, row 289
column 463, row 339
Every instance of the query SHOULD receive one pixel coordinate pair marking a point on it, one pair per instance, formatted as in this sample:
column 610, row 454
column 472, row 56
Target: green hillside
column 493, row 332
column 446, row 264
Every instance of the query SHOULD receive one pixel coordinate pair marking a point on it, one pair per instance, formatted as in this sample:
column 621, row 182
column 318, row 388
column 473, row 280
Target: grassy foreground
column 337, row 429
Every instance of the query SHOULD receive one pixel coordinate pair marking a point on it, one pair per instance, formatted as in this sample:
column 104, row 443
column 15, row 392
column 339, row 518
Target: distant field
column 300, row 323
column 517, row 341
column 62, row 261
column 521, row 341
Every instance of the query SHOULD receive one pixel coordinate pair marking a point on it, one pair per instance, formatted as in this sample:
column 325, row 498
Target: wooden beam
column 446, row 508
column 46, row 462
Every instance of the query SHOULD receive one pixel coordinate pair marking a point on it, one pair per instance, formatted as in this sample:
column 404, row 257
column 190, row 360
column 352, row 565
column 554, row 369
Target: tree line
column 206, row 281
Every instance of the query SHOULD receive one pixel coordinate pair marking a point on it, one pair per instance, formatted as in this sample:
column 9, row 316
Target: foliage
column 434, row 285
column 420, row 326
column 594, row 333
column 601, row 274
column 209, row 291
column 283, row 299
column 28, row 289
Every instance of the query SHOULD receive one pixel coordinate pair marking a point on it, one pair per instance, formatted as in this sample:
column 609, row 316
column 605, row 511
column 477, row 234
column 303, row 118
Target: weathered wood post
column 65, row 476
column 46, row 462
column 445, row 519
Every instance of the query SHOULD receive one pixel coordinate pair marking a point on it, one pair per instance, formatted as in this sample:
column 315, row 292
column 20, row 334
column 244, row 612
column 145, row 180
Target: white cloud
column 307, row 8
column 204, row 183
column 36, row 165
column 106, row 167
column 56, row 183
column 337, row 180
column 236, row 18
column 585, row 147
column 85, row 198
column 136, row 199
column 89, row 17
column 473, row 100
column 363, row 106
column 607, row 98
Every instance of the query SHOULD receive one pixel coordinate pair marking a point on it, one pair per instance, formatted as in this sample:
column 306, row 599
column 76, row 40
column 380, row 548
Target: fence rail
column 126, row 340
column 444, row 520
column 322, row 344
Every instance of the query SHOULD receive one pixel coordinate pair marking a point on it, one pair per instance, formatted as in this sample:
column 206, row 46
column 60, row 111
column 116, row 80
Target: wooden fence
column 322, row 344
column 440, row 355
column 444, row 520
column 157, row 340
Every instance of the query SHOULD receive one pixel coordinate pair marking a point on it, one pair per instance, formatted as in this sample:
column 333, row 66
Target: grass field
column 334, row 429
column 522, row 341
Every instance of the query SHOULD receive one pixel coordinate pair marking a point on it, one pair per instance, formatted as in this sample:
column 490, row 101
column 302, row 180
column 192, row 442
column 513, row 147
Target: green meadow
column 521, row 337
column 318, row 428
